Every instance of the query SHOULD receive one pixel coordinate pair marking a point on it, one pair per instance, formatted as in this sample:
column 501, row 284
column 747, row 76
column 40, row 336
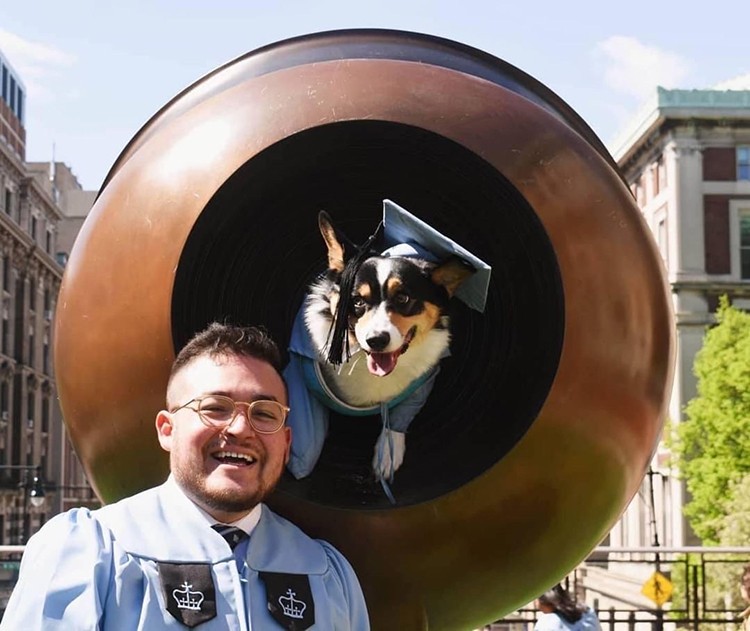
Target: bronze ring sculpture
column 545, row 417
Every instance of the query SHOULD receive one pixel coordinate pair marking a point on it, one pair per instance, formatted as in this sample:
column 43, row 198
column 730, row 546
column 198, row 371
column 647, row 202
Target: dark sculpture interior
column 256, row 246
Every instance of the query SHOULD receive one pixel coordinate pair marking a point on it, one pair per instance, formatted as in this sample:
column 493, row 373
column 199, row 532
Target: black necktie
column 232, row 535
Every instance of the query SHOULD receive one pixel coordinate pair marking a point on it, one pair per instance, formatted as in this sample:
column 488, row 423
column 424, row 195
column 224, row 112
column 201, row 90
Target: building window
column 745, row 245
column 8, row 201
column 19, row 105
column 33, row 226
column 743, row 163
column 660, row 176
column 45, row 356
column 32, row 346
column 49, row 243
column 739, row 238
column 4, row 401
column 5, row 326
column 33, row 291
column 45, row 414
column 637, row 189
column 662, row 235
column 642, row 196
column 5, row 331
column 30, row 408
column 6, row 273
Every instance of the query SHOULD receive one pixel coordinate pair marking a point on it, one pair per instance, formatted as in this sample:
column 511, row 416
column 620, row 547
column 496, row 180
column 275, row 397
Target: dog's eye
column 401, row 298
column 358, row 302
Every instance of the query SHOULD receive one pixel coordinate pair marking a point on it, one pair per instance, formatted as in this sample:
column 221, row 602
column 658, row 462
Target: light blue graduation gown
column 98, row 570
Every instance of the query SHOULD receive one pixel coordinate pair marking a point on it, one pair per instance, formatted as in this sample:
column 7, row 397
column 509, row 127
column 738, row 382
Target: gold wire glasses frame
column 265, row 416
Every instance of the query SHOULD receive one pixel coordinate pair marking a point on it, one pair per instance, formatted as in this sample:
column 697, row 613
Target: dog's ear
column 335, row 249
column 451, row 273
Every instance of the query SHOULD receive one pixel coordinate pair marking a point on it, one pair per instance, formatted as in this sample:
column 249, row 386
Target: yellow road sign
column 658, row 588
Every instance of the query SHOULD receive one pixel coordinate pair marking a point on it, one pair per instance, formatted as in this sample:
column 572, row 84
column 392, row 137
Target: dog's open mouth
column 382, row 364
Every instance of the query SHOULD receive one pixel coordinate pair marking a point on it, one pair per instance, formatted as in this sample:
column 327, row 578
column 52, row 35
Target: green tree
column 734, row 530
column 734, row 527
column 713, row 443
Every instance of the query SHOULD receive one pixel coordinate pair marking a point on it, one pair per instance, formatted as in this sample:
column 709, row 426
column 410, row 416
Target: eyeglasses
column 265, row 416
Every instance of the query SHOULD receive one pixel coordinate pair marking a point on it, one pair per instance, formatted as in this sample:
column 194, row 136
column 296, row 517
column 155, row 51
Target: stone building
column 34, row 449
column 687, row 161
column 686, row 158
column 61, row 185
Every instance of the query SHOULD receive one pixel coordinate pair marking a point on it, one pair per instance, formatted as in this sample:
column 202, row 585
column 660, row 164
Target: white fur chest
column 353, row 383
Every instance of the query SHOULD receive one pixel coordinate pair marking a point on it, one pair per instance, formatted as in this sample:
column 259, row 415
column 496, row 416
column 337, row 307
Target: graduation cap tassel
column 339, row 337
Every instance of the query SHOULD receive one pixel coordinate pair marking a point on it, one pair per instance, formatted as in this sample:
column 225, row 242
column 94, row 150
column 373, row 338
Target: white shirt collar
column 246, row 523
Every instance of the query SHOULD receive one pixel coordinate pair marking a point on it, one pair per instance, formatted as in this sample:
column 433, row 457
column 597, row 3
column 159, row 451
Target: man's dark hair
column 219, row 339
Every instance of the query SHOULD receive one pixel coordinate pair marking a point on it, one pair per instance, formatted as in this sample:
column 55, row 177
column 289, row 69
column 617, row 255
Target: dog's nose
column 378, row 341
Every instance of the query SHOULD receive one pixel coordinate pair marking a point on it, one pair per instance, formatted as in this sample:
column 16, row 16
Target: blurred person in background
column 562, row 612
column 745, row 591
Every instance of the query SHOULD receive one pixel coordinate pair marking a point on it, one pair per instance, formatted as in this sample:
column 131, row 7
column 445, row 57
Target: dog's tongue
column 381, row 364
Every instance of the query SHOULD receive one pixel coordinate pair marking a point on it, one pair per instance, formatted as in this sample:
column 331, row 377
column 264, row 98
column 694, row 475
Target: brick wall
column 719, row 164
column 717, row 232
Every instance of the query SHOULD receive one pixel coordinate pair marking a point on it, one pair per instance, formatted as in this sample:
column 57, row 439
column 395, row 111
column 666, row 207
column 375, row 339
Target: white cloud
column 741, row 82
column 635, row 69
column 37, row 63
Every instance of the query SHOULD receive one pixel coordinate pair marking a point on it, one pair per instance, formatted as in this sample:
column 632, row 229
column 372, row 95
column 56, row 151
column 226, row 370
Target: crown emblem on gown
column 187, row 599
column 291, row 607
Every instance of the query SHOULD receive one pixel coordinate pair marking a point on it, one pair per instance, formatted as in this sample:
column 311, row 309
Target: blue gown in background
column 555, row 622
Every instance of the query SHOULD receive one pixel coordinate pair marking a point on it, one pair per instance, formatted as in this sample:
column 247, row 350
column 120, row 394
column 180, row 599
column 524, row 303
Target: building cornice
column 28, row 248
column 687, row 105
column 13, row 160
column 43, row 196
column 732, row 287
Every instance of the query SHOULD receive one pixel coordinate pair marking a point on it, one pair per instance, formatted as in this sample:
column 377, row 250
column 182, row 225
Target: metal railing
column 697, row 589
column 10, row 561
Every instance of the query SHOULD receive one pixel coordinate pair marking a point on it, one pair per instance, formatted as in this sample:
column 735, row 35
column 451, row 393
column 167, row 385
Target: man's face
column 226, row 488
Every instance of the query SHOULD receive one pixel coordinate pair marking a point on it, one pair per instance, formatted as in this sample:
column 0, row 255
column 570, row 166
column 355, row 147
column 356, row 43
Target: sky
column 96, row 71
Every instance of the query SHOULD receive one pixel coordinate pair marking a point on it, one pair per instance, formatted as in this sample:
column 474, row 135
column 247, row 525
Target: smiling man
column 201, row 549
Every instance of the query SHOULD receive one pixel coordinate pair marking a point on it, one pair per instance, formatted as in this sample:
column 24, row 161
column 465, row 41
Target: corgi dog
column 396, row 331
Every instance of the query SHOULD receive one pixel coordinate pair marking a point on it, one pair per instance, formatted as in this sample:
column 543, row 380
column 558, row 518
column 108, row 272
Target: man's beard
column 227, row 502
column 194, row 484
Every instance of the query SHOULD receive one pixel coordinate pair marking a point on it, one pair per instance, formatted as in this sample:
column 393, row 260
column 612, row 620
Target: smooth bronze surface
column 463, row 556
